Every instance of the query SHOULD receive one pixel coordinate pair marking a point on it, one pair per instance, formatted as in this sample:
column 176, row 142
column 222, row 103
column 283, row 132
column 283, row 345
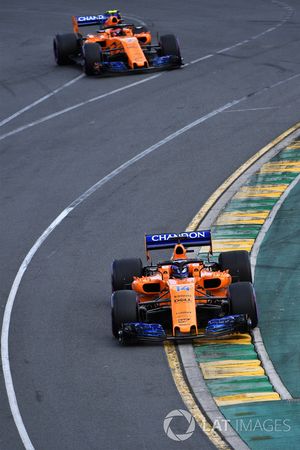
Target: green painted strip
column 219, row 389
column 267, row 387
column 230, row 380
column 266, row 425
column 255, row 204
column 272, row 178
column 289, row 154
column 214, row 352
column 235, row 231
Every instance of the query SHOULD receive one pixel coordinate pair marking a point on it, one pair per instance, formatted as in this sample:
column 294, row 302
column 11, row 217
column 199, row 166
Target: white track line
column 78, row 105
column 201, row 59
column 5, row 333
column 40, row 100
column 253, row 109
column 290, row 12
column 99, row 97
column 258, row 340
column 15, row 286
column 252, row 38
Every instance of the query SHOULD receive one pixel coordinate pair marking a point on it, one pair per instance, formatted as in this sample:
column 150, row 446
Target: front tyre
column 242, row 301
column 92, row 54
column 169, row 46
column 123, row 309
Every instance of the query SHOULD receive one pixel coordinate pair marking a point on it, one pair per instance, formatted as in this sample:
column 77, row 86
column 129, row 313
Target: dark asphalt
column 76, row 388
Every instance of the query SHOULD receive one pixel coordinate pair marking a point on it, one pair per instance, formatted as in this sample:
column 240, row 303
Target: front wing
column 119, row 67
column 134, row 332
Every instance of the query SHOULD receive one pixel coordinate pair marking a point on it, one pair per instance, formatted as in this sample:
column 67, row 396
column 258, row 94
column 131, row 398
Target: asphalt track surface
column 76, row 388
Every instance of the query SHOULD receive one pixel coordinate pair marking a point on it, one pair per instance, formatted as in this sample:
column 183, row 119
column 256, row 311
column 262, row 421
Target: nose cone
column 183, row 305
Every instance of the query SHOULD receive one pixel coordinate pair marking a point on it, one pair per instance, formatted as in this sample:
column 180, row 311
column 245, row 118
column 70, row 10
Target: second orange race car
column 115, row 47
column 175, row 299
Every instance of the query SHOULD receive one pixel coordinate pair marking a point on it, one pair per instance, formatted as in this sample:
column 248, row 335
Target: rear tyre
column 92, row 54
column 169, row 46
column 238, row 264
column 123, row 271
column 242, row 301
column 123, row 309
column 64, row 46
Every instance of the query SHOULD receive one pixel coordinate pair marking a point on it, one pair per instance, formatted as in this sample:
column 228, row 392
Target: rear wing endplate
column 186, row 238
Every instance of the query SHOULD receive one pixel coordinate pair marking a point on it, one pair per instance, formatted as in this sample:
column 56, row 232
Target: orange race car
column 173, row 299
column 115, row 47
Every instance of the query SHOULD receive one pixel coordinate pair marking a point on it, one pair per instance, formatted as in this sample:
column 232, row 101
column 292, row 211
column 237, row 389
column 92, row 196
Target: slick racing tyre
column 123, row 309
column 123, row 271
column 242, row 301
column 169, row 46
column 238, row 264
column 64, row 46
column 92, row 56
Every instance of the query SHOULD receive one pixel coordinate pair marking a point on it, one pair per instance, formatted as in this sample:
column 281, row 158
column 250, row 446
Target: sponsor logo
column 182, row 300
column 182, row 288
column 183, row 321
column 191, row 235
column 90, row 18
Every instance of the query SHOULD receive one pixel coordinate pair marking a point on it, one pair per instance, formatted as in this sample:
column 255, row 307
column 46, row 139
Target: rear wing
column 187, row 239
column 97, row 19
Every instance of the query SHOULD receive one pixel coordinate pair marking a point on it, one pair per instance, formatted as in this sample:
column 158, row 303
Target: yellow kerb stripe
column 246, row 398
column 281, row 166
column 240, row 221
column 261, row 191
column 231, row 368
column 293, row 146
column 265, row 187
column 242, row 217
column 233, row 363
column 223, row 244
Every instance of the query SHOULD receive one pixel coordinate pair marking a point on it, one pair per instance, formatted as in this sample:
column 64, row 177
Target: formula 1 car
column 116, row 47
column 173, row 299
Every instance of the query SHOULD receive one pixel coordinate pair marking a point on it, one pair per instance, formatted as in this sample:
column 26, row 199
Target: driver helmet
column 117, row 32
column 179, row 271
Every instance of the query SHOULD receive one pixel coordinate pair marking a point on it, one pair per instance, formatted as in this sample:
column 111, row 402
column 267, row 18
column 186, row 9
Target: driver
column 180, row 270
